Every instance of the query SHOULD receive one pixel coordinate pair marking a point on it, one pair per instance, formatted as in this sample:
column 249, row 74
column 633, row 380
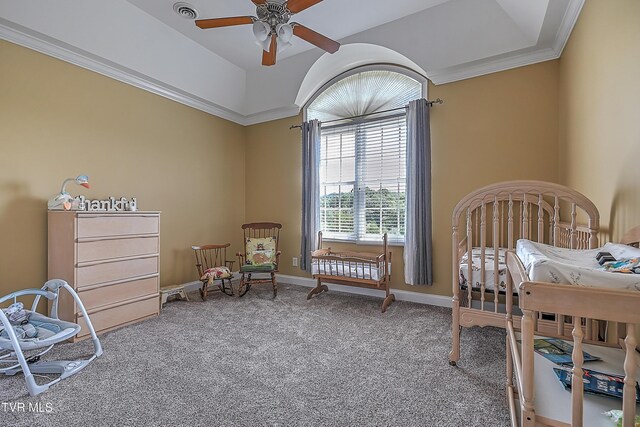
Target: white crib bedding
column 489, row 267
column 343, row 269
column 545, row 263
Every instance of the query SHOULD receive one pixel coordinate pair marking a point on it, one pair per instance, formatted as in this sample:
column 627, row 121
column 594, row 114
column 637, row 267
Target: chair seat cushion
column 260, row 268
column 216, row 273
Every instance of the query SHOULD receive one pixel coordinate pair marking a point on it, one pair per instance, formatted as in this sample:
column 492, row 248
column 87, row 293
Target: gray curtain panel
column 417, row 245
column 310, row 191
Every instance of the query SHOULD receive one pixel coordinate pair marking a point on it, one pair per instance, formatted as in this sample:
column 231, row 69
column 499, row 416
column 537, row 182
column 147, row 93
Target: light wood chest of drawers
column 112, row 260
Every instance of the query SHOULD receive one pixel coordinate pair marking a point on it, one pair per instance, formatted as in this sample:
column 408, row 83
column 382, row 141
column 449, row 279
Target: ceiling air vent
column 185, row 10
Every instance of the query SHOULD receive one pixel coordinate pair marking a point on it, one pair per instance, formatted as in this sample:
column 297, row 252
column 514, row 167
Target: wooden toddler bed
column 361, row 269
column 488, row 222
column 537, row 397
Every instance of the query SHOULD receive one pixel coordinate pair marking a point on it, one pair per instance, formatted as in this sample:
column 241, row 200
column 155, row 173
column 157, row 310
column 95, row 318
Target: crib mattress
column 340, row 269
column 545, row 263
column 490, row 272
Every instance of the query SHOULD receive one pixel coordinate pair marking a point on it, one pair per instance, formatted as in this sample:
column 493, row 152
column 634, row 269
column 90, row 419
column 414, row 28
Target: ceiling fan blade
column 224, row 22
column 314, row 38
column 296, row 6
column 269, row 58
column 259, row 1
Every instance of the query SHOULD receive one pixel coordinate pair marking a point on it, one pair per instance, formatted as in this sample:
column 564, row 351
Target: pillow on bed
column 623, row 266
column 261, row 251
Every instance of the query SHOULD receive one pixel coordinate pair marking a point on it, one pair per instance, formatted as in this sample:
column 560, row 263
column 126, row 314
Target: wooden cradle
column 489, row 221
column 578, row 303
column 361, row 269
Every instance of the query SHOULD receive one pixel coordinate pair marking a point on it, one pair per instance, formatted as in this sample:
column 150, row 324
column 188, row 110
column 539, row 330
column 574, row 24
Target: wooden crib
column 536, row 397
column 361, row 269
column 488, row 222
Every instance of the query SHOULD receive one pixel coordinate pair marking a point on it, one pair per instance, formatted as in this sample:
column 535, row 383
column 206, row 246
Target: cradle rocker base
column 324, row 288
column 317, row 290
column 387, row 302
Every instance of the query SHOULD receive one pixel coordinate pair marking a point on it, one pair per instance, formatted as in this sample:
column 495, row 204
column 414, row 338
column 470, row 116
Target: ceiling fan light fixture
column 283, row 45
column 261, row 31
column 284, row 32
column 264, row 44
column 271, row 27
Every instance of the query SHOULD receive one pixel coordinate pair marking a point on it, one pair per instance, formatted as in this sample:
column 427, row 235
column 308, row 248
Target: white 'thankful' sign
column 110, row 204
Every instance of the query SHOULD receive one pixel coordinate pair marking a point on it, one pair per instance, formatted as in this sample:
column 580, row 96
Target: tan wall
column 58, row 120
column 600, row 111
column 510, row 115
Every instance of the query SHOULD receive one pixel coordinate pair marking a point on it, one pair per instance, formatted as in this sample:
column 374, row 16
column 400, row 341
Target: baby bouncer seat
column 26, row 335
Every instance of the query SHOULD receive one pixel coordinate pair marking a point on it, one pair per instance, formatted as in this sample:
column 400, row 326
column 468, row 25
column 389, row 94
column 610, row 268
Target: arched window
column 363, row 152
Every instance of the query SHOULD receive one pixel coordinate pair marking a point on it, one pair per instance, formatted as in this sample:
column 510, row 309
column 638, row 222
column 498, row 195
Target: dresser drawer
column 117, row 225
column 94, row 274
column 109, row 318
column 95, row 250
column 111, row 294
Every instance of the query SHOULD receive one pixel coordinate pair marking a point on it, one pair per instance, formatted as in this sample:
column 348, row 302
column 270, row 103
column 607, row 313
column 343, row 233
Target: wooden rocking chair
column 261, row 255
column 209, row 259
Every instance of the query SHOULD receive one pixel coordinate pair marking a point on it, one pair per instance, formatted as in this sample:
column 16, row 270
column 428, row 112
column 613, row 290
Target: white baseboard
column 401, row 295
column 192, row 286
column 196, row 284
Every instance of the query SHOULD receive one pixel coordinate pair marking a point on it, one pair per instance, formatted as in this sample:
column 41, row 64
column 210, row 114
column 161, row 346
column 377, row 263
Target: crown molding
column 269, row 115
column 49, row 46
column 467, row 71
column 454, row 74
column 566, row 26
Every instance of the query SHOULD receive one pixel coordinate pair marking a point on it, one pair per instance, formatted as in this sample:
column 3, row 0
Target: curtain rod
column 430, row 103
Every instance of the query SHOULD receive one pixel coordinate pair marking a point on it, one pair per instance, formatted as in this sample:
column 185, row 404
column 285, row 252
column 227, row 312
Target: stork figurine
column 64, row 199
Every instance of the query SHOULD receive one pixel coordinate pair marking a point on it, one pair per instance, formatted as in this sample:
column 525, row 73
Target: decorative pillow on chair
column 261, row 251
column 216, row 273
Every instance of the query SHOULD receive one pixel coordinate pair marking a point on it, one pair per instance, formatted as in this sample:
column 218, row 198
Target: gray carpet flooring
column 332, row 361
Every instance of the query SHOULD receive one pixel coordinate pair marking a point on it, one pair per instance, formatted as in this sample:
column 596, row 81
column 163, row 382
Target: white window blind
column 362, row 180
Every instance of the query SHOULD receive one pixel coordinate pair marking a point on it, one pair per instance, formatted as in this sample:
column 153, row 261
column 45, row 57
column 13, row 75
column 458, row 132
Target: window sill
column 354, row 242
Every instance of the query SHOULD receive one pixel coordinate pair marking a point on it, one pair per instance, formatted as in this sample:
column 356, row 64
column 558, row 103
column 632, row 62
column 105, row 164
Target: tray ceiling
column 145, row 43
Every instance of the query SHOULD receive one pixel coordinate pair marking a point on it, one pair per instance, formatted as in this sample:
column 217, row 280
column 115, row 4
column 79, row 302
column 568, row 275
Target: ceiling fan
column 272, row 28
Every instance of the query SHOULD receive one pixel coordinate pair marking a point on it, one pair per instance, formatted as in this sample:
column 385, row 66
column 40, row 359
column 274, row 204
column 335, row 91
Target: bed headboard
column 499, row 214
